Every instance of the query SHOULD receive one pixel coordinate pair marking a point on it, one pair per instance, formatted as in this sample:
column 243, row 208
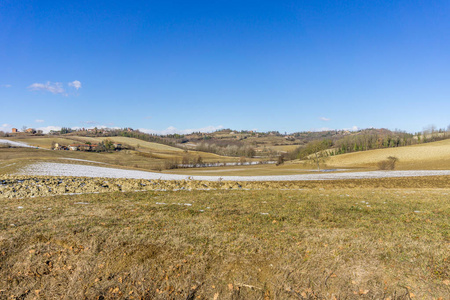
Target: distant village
column 63, row 130
column 26, row 131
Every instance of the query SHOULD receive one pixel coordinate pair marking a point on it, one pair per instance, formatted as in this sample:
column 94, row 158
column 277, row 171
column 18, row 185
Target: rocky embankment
column 38, row 186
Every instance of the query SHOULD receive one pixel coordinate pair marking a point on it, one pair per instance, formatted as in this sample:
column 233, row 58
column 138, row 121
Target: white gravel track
column 60, row 169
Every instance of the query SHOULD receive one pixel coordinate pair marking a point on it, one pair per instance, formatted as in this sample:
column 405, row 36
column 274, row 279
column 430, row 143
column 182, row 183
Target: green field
column 341, row 243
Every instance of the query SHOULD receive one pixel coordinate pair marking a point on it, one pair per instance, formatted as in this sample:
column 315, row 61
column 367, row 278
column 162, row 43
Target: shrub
column 280, row 160
column 171, row 164
column 185, row 160
column 388, row 164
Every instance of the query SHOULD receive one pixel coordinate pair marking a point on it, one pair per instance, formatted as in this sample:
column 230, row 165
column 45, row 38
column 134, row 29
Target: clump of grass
column 388, row 164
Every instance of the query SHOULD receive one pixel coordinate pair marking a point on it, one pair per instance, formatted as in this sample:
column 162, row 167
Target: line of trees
column 366, row 141
column 372, row 141
column 235, row 150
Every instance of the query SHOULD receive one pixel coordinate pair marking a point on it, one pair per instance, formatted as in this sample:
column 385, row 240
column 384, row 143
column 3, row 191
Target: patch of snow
column 60, row 169
column 15, row 144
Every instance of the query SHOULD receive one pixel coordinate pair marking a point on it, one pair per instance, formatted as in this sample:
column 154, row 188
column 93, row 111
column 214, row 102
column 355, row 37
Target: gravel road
column 61, row 169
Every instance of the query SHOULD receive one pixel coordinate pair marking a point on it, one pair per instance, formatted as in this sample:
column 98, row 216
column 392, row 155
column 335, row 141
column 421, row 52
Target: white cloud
column 325, row 119
column 173, row 130
column 39, row 121
column 96, row 126
column 353, row 128
column 54, row 88
column 5, row 85
column 6, row 127
column 321, row 129
column 76, row 84
column 90, row 122
column 47, row 129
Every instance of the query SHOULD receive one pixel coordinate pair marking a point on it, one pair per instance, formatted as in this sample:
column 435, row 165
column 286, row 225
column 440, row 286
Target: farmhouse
column 30, row 130
column 57, row 146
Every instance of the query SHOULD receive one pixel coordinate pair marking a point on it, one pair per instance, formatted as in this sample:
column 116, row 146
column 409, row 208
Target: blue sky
column 167, row 66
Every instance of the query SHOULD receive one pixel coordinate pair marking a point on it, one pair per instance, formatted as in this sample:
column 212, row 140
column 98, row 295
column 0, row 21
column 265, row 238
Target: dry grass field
column 429, row 156
column 151, row 156
column 42, row 142
column 160, row 151
column 253, row 170
column 143, row 145
column 282, row 148
column 315, row 243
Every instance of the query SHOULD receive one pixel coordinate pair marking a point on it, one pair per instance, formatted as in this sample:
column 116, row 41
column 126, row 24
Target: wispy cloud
column 89, row 122
column 76, row 84
column 353, row 128
column 173, row 130
column 39, row 121
column 6, row 127
column 321, row 129
column 52, row 87
column 325, row 119
column 5, row 85
column 47, row 129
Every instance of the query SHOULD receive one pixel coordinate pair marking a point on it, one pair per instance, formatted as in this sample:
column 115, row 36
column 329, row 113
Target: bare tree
column 317, row 152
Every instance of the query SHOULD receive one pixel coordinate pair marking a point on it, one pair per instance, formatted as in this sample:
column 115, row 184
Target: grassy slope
column 433, row 156
column 311, row 242
column 161, row 150
column 424, row 156
column 149, row 156
column 132, row 142
column 43, row 142
column 255, row 170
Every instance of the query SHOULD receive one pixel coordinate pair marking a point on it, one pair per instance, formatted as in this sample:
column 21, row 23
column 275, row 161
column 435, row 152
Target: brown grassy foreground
column 354, row 242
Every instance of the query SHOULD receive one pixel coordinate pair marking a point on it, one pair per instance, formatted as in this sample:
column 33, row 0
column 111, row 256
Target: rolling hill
column 429, row 156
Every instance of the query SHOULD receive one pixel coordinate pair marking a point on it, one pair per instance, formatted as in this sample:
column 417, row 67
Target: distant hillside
column 431, row 156
column 248, row 143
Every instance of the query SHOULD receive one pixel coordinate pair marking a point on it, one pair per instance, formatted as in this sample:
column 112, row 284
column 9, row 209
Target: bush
column 388, row 164
column 170, row 164
column 280, row 160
